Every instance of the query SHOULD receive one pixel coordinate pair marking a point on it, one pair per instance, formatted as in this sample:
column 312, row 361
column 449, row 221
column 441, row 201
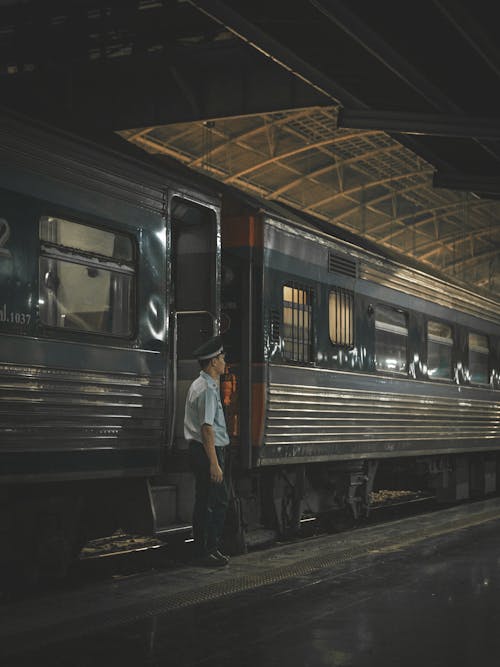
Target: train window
column 297, row 321
column 341, row 317
column 86, row 278
column 439, row 349
column 391, row 339
column 478, row 358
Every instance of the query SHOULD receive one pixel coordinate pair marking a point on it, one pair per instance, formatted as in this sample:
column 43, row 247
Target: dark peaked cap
column 210, row 348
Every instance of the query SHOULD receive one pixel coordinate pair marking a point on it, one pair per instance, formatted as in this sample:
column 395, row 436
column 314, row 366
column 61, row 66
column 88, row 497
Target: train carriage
column 97, row 257
column 356, row 360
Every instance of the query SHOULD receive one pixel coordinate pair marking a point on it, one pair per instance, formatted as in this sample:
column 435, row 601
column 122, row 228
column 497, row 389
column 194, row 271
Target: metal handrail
column 174, row 364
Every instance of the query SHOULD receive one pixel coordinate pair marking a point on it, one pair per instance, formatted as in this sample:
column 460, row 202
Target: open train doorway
column 196, row 296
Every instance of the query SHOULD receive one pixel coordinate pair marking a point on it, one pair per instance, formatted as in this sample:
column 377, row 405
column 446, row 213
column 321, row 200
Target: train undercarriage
column 283, row 499
column 44, row 527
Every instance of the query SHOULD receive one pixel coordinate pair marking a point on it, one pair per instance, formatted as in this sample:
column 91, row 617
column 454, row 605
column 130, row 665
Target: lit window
column 86, row 278
column 439, row 350
column 391, row 339
column 341, row 317
column 478, row 358
column 297, row 323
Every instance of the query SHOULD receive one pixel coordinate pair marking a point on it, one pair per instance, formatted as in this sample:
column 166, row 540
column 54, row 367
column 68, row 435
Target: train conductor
column 206, row 432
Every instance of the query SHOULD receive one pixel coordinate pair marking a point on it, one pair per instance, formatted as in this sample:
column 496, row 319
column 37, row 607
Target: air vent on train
column 342, row 264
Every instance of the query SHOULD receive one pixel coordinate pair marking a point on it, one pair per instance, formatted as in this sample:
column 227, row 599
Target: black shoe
column 211, row 560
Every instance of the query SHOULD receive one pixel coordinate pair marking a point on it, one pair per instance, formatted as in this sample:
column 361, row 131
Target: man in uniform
column 206, row 432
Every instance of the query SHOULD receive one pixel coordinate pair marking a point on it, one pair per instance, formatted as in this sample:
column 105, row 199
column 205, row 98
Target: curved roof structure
column 363, row 180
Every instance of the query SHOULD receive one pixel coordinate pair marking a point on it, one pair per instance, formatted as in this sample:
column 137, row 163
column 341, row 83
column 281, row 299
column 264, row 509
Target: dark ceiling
column 431, row 66
column 424, row 75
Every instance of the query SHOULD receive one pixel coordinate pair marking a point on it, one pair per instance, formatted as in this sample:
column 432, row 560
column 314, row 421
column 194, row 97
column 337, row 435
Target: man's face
column 219, row 363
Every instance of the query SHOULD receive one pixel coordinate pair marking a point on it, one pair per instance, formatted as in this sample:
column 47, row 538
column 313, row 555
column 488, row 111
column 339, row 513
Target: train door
column 196, row 296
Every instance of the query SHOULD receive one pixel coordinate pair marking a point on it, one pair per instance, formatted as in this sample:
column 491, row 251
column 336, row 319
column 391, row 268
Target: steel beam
column 440, row 125
column 338, row 13
column 485, row 185
column 471, row 31
column 272, row 49
column 472, row 260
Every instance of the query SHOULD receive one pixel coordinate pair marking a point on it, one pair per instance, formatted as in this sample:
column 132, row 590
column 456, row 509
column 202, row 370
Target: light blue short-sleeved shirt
column 204, row 406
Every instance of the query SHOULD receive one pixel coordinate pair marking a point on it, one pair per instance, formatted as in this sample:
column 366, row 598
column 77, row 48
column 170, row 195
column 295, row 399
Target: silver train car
column 357, row 368
column 100, row 255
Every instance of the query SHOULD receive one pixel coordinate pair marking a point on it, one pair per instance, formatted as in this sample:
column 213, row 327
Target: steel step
column 163, row 500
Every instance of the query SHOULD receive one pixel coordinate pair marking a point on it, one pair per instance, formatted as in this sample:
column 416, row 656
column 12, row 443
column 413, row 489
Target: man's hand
column 207, row 433
column 216, row 472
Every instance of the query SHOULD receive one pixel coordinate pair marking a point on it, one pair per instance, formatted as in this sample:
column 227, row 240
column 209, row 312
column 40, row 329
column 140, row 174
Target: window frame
column 392, row 328
column 488, row 355
column 60, row 252
column 349, row 296
column 310, row 292
column 440, row 342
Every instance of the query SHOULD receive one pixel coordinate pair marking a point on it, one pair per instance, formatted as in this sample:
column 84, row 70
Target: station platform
column 419, row 591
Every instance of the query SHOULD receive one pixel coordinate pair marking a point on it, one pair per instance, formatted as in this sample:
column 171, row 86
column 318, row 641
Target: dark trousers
column 210, row 502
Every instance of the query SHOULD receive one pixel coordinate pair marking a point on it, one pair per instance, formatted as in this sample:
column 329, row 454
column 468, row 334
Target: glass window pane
column 391, row 336
column 478, row 367
column 478, row 358
column 86, row 278
column 478, row 342
column 439, row 329
column 333, row 317
column 87, row 239
column 75, row 296
column 438, row 360
column 341, row 317
column 297, row 323
column 389, row 316
column 439, row 350
column 390, row 351
column 287, row 293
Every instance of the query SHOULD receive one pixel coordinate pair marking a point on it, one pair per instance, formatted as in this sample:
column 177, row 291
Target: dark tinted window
column 439, row 350
column 391, row 339
column 478, row 358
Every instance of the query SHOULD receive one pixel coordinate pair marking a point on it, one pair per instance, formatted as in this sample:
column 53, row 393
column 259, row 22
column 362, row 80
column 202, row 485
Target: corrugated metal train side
column 338, row 404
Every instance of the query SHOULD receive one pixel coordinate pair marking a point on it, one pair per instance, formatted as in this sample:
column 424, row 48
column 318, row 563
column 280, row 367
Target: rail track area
column 422, row 590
